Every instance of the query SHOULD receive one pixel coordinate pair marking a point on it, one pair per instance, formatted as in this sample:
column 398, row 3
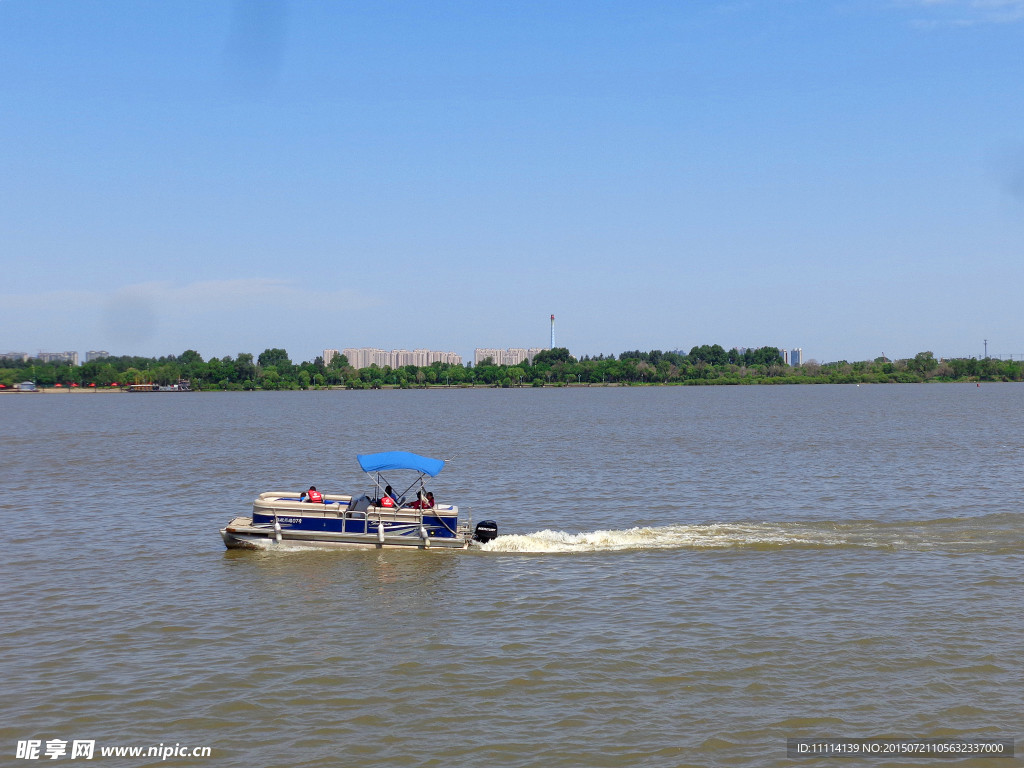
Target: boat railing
column 391, row 514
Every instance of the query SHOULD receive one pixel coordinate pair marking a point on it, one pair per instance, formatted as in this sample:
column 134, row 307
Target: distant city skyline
column 380, row 356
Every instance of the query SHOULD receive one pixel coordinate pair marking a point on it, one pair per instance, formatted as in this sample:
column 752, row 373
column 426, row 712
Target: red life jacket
column 387, row 501
column 315, row 497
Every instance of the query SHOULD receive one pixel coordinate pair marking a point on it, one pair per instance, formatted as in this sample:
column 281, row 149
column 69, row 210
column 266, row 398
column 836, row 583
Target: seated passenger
column 423, row 502
column 312, row 495
column 389, row 499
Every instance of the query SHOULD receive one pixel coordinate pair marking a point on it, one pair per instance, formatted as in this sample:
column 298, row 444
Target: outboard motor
column 485, row 531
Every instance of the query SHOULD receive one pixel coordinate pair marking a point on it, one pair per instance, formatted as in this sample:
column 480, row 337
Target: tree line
column 707, row 364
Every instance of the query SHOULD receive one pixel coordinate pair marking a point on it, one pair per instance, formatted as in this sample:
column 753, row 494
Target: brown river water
column 685, row 576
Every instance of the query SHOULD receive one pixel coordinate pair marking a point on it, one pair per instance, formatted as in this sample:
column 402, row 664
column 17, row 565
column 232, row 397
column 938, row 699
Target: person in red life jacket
column 388, row 499
column 425, row 501
column 312, row 495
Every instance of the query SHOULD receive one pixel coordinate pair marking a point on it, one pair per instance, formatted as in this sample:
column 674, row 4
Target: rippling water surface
column 685, row 576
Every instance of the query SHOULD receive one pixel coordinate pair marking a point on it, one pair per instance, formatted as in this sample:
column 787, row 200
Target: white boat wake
column 665, row 537
column 984, row 534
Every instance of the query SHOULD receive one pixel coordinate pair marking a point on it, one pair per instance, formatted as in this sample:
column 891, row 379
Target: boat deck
column 338, row 506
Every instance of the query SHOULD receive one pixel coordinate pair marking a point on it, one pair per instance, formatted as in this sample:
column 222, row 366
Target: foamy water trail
column 992, row 533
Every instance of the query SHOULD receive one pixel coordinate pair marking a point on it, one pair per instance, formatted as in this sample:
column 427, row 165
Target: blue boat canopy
column 377, row 462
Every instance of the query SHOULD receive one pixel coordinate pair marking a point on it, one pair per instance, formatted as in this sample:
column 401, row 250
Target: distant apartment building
column 364, row 357
column 23, row 356
column 481, row 354
column 96, row 354
column 793, row 356
column 71, row 358
column 511, row 356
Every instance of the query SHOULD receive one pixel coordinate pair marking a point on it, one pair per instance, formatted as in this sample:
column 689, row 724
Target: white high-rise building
column 59, row 357
column 511, row 356
column 482, row 353
column 364, row 357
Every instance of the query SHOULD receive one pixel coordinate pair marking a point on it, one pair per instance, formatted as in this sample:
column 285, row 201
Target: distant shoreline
column 604, row 385
column 702, row 366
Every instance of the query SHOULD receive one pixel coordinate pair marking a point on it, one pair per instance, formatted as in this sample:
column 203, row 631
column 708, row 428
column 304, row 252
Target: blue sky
column 846, row 176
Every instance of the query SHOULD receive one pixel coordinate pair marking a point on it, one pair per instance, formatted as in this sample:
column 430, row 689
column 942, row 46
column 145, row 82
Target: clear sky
column 845, row 176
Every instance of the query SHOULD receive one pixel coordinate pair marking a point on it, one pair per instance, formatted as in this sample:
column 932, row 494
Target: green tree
column 245, row 368
column 712, row 355
column 106, row 375
column 276, row 357
column 552, row 356
column 923, row 362
column 270, row 378
column 766, row 356
column 456, row 374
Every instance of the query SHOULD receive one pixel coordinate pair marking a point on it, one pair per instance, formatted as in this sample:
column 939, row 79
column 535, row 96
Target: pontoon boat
column 406, row 519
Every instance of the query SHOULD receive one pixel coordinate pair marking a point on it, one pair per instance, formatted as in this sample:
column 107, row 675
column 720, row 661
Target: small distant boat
column 25, row 386
column 183, row 385
column 409, row 519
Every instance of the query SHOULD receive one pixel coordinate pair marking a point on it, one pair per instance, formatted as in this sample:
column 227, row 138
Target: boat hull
column 241, row 533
